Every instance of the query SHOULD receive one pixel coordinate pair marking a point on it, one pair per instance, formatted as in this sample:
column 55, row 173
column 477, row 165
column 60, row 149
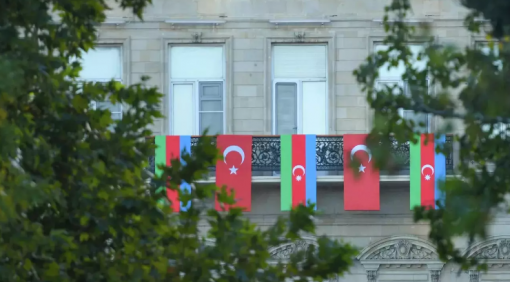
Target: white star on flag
column 427, row 177
column 362, row 168
column 233, row 170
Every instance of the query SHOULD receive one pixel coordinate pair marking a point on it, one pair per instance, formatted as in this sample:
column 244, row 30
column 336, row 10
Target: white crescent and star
column 361, row 148
column 233, row 148
column 427, row 177
column 298, row 178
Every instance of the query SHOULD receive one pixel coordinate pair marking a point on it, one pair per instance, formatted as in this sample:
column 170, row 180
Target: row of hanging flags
column 299, row 171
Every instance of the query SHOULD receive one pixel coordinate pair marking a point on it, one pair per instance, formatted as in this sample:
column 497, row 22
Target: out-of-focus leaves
column 76, row 203
column 471, row 89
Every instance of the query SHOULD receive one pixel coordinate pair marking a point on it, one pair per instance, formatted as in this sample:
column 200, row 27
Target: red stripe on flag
column 427, row 171
column 361, row 187
column 298, row 170
column 234, row 171
column 173, row 152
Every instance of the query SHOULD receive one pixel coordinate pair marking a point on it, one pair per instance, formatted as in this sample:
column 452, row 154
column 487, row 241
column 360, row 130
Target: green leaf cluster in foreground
column 74, row 201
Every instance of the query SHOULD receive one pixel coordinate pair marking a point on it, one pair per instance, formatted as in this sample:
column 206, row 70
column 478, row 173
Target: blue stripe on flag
column 440, row 169
column 185, row 144
column 311, row 169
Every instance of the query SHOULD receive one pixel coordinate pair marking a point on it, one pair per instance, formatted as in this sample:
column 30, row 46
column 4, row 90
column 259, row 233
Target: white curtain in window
column 314, row 107
column 294, row 61
column 183, row 110
column 102, row 64
column 397, row 72
column 193, row 62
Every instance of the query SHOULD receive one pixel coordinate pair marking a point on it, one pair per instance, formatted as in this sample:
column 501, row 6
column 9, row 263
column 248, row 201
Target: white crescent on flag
column 298, row 167
column 361, row 148
column 427, row 166
column 233, row 148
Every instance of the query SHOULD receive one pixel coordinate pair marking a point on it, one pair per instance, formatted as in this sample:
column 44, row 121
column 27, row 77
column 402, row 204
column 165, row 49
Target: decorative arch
column 495, row 249
column 495, row 252
column 398, row 253
column 284, row 251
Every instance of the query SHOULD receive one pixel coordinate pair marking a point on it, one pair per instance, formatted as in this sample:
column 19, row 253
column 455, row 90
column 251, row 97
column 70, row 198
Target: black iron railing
column 329, row 151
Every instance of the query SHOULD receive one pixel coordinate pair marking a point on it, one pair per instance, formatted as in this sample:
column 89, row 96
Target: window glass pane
column 211, row 121
column 398, row 71
column 183, row 112
column 286, row 108
column 293, row 61
column 103, row 63
column 114, row 108
column 117, row 116
column 211, row 96
column 314, row 107
column 196, row 62
column 211, row 106
column 421, row 121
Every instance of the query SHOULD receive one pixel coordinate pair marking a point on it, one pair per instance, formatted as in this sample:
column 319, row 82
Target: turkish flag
column 234, row 171
column 361, row 187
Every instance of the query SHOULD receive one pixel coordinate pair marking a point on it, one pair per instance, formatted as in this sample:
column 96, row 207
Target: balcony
column 329, row 150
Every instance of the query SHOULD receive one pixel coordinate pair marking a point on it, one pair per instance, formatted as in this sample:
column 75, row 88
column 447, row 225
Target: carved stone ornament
column 434, row 275
column 284, row 251
column 299, row 36
column 474, row 276
column 372, row 275
column 497, row 248
column 401, row 250
column 196, row 37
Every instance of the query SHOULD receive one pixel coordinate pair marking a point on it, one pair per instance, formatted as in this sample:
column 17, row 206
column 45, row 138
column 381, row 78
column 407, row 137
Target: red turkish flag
column 361, row 187
column 234, row 171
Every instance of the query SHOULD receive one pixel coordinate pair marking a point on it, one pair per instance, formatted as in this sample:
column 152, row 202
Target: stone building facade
column 266, row 67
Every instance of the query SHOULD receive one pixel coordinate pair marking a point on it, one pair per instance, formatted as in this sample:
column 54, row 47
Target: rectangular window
column 103, row 64
column 300, row 89
column 501, row 129
column 197, row 89
column 286, row 108
column 393, row 78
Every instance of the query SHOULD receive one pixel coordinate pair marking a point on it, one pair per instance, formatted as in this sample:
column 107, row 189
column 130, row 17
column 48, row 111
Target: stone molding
column 397, row 251
column 284, row 251
column 495, row 249
column 495, row 252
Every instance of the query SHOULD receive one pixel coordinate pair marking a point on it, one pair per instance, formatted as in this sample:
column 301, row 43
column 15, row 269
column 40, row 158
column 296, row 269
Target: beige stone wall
column 248, row 35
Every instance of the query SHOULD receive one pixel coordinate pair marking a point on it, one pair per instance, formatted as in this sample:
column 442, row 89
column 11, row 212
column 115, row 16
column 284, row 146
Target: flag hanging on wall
column 234, row 171
column 428, row 171
column 298, row 170
column 168, row 148
column 361, row 187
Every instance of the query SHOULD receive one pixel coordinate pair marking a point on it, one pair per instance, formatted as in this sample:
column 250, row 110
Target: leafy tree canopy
column 74, row 201
column 470, row 89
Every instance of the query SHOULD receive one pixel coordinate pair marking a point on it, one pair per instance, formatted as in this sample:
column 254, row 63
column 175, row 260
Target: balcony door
column 300, row 89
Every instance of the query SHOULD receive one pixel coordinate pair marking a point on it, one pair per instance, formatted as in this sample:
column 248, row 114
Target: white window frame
column 299, row 82
column 196, row 102
column 196, row 91
column 404, row 85
column 103, row 80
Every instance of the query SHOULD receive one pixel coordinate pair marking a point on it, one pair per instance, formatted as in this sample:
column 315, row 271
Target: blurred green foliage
column 75, row 203
column 468, row 97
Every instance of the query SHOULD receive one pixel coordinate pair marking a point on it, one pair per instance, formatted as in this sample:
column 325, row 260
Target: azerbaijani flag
column 298, row 170
column 428, row 171
column 168, row 148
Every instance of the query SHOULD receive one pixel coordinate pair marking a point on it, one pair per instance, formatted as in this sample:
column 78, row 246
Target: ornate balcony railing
column 329, row 151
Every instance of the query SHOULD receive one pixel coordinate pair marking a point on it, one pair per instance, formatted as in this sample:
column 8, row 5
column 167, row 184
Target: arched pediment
column 398, row 249
column 494, row 248
column 285, row 250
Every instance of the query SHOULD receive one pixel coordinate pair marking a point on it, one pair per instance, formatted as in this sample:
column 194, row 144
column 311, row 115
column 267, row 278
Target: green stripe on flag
column 415, row 174
column 160, row 158
column 286, row 172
